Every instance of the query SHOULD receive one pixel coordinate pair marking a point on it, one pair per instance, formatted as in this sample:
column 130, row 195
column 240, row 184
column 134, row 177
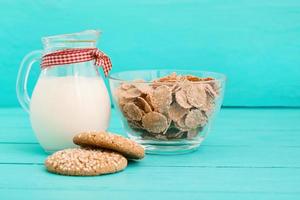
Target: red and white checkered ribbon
column 68, row 56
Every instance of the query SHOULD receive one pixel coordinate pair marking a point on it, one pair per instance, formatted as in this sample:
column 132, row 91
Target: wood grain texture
column 208, row 156
column 239, row 126
column 177, row 179
column 254, row 42
column 250, row 154
column 121, row 194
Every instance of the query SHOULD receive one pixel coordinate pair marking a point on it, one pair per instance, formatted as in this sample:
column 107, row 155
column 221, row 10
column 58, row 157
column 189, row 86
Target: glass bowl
column 167, row 111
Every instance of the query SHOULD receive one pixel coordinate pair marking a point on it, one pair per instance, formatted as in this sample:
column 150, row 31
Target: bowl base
column 170, row 150
column 167, row 147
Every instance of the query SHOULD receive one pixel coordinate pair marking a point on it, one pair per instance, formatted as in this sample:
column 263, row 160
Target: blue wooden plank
column 276, row 127
column 206, row 156
column 163, row 179
column 50, row 194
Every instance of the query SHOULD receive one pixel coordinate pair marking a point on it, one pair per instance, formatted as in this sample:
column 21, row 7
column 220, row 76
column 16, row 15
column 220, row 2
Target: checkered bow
column 68, row 56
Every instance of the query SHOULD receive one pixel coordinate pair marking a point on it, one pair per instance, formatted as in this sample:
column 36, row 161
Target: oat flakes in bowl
column 167, row 111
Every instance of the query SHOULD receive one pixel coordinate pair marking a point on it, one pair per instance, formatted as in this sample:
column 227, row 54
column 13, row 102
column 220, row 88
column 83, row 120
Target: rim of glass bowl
column 215, row 75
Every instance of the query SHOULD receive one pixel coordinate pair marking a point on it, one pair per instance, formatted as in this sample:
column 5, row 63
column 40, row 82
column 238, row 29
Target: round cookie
column 85, row 162
column 126, row 147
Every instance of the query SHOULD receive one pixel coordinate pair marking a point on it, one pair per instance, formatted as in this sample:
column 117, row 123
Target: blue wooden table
column 250, row 154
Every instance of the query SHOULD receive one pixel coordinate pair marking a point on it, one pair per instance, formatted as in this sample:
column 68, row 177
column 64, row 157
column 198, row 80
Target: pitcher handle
column 22, row 78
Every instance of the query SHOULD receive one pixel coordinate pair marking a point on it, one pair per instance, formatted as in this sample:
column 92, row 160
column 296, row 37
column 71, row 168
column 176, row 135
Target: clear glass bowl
column 171, row 115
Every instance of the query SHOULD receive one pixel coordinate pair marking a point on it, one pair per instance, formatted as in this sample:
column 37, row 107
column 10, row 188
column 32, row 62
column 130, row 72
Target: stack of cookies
column 99, row 153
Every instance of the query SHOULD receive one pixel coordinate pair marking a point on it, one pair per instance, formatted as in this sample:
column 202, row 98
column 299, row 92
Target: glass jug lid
column 84, row 39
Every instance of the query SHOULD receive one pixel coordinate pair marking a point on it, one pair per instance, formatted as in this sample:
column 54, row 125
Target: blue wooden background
column 256, row 43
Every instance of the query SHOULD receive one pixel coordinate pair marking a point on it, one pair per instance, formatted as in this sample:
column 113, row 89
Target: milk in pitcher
column 61, row 107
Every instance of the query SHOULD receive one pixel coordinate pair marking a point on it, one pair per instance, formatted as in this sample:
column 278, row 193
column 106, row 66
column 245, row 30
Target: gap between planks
column 204, row 145
column 172, row 166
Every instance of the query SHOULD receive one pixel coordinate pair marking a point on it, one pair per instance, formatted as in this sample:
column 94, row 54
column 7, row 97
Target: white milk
column 60, row 107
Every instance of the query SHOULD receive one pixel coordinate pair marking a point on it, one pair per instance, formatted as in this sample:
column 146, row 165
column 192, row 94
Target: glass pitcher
column 67, row 99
